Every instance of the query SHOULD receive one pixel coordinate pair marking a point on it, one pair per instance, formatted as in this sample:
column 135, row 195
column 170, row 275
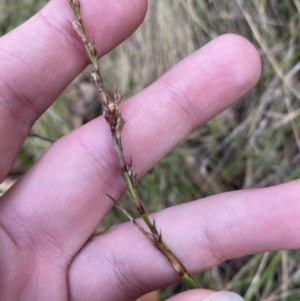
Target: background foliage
column 255, row 143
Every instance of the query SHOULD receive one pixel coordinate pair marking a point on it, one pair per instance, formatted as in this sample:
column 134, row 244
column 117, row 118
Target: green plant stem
column 75, row 11
column 134, row 196
column 189, row 281
column 116, row 122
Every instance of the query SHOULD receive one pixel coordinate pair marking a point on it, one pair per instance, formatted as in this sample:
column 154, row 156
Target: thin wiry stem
column 156, row 240
column 79, row 28
column 35, row 135
column 110, row 107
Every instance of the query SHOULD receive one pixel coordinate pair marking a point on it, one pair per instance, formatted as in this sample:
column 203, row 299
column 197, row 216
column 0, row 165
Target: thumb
column 206, row 295
column 223, row 296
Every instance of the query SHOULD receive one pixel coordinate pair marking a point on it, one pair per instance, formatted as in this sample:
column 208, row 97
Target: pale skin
column 48, row 217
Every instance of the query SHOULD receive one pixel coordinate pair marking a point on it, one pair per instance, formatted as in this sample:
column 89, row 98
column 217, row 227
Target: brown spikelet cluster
column 156, row 240
column 110, row 107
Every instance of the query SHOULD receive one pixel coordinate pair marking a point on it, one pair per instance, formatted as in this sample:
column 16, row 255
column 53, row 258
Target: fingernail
column 224, row 296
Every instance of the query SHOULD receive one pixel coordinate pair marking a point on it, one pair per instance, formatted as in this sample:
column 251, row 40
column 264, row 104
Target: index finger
column 41, row 57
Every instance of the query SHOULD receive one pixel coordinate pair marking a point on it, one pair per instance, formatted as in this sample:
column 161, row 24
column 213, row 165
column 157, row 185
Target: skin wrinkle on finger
column 44, row 55
column 80, row 195
column 260, row 223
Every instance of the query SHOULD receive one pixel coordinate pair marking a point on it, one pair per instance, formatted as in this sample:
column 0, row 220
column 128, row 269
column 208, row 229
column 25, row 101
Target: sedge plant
column 110, row 109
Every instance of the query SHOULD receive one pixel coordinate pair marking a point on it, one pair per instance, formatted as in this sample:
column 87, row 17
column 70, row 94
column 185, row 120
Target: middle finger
column 64, row 194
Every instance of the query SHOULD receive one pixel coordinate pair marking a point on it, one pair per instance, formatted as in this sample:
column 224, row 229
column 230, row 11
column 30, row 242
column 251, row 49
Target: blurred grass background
column 255, row 143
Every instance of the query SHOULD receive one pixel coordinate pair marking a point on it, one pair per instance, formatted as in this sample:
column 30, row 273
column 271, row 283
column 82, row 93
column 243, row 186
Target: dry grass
column 255, row 143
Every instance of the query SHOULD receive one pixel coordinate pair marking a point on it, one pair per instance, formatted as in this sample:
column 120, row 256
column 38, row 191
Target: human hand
column 48, row 217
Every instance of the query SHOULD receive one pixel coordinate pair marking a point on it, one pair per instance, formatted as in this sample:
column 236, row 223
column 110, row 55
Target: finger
column 202, row 234
column 41, row 57
column 206, row 295
column 70, row 182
